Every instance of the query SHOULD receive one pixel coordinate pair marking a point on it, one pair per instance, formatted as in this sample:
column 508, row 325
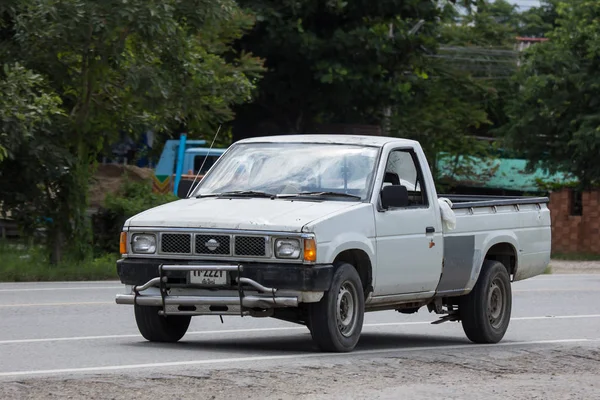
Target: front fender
column 327, row 252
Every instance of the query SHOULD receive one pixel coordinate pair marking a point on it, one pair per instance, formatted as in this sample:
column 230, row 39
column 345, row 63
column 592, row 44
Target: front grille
column 218, row 244
column 254, row 246
column 176, row 243
column 204, row 243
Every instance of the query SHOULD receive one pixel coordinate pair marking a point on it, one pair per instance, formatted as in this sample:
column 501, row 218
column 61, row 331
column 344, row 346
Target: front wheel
column 485, row 312
column 157, row 328
column 336, row 321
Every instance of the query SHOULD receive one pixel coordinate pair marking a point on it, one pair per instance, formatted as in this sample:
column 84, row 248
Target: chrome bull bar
column 247, row 301
column 269, row 300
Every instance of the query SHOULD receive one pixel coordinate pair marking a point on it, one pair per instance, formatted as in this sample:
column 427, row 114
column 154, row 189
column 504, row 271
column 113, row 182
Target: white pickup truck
column 318, row 230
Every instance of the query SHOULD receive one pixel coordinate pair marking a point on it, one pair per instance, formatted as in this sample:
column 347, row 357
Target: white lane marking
column 250, row 330
column 52, row 289
column 81, row 303
column 286, row 357
column 118, row 285
column 113, row 303
column 552, row 277
column 555, row 317
column 80, row 282
column 557, row 290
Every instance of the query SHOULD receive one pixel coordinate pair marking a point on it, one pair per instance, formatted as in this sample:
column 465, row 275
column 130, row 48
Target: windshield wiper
column 254, row 193
column 239, row 193
column 325, row 194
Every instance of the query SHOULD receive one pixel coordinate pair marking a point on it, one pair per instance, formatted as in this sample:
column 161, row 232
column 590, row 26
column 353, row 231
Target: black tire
column 485, row 311
column 156, row 328
column 334, row 327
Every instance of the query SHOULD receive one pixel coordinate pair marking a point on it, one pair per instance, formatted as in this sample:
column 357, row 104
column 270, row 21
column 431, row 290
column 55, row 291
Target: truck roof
column 376, row 141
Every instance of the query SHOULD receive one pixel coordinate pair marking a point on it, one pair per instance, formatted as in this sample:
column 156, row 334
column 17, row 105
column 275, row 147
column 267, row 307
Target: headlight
column 287, row 248
column 145, row 244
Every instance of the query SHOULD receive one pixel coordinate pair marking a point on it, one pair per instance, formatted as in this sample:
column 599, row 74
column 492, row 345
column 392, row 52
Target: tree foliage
column 131, row 199
column 466, row 87
column 333, row 61
column 120, row 66
column 538, row 21
column 36, row 161
column 26, row 108
column 555, row 120
column 441, row 112
column 489, row 24
column 77, row 73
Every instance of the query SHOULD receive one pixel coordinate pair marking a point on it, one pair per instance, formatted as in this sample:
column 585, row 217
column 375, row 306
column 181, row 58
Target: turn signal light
column 123, row 243
column 310, row 250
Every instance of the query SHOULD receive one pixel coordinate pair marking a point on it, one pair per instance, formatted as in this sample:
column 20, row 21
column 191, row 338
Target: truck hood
column 257, row 214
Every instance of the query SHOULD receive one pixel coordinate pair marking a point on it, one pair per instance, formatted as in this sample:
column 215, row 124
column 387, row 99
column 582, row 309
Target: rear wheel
column 485, row 312
column 336, row 321
column 157, row 328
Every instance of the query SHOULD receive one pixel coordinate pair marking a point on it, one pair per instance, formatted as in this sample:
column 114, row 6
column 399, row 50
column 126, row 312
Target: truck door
column 409, row 240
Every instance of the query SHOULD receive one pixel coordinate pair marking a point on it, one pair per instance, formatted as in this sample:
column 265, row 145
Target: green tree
column 489, row 23
column 333, row 61
column 121, row 65
column 36, row 159
column 443, row 114
column 462, row 99
column 555, row 120
column 537, row 21
column 26, row 108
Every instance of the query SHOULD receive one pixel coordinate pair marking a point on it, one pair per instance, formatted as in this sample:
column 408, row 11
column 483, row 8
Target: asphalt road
column 56, row 331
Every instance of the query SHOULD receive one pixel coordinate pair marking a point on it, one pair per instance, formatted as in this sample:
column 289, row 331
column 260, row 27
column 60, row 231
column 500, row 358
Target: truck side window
column 402, row 169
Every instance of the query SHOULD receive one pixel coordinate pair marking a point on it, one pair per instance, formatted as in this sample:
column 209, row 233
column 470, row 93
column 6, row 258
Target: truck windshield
column 293, row 169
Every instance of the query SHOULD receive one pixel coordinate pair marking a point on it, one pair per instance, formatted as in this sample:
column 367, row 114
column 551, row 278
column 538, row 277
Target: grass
column 576, row 256
column 21, row 263
column 548, row 270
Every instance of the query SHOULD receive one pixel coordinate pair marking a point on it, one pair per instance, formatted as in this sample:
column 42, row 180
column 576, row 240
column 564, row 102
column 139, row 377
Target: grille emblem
column 212, row 244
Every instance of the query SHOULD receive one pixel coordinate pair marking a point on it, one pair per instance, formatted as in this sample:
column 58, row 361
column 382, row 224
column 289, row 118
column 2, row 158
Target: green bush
column 132, row 199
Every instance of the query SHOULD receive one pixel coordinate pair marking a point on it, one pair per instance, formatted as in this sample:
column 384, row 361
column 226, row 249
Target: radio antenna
column 203, row 162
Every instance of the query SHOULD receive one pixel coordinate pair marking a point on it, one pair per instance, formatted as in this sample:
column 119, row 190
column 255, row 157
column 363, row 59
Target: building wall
column 573, row 233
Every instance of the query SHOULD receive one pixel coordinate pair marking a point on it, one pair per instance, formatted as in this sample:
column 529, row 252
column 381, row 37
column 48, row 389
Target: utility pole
column 387, row 111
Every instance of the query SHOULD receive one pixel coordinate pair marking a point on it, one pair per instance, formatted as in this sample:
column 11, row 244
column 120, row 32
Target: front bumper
column 163, row 283
column 281, row 276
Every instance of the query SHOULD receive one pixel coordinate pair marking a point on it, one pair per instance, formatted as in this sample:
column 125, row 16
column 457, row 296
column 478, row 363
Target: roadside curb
column 574, row 267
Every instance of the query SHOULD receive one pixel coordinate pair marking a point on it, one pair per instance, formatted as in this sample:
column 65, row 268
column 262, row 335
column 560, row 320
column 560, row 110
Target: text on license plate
column 209, row 277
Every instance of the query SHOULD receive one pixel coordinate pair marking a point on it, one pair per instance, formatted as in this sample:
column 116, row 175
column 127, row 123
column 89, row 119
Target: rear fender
column 481, row 252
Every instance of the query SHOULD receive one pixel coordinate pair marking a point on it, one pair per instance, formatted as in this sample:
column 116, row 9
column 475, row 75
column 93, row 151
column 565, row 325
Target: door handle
column 430, row 229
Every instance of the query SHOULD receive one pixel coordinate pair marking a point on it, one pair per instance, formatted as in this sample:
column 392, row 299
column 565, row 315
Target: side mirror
column 394, row 196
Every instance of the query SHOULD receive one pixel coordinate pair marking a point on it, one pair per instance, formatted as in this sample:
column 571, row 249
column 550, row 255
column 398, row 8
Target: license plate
column 208, row 277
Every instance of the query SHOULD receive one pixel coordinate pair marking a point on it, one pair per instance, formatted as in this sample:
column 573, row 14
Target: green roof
column 500, row 173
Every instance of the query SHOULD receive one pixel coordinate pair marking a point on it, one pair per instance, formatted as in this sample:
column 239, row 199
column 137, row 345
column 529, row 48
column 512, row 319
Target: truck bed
column 468, row 201
column 514, row 229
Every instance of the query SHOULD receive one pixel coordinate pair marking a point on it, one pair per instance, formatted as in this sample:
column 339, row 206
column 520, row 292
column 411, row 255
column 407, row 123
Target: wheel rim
column 496, row 303
column 346, row 314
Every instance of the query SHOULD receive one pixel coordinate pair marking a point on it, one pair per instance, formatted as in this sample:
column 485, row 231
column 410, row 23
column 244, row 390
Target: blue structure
column 180, row 155
column 194, row 158
column 163, row 174
column 179, row 159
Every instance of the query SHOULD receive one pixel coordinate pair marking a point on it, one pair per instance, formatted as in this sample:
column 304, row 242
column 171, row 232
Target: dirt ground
column 562, row 372
column 109, row 178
